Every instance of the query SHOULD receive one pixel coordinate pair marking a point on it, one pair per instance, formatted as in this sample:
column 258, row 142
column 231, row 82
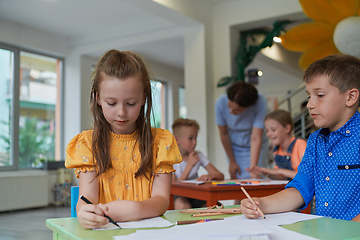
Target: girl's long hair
column 121, row 65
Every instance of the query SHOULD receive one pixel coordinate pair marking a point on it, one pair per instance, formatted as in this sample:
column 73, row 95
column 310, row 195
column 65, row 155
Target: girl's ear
column 352, row 97
column 144, row 99
column 287, row 128
column 98, row 99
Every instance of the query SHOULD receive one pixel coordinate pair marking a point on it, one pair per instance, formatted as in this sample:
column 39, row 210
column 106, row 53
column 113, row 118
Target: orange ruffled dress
column 119, row 182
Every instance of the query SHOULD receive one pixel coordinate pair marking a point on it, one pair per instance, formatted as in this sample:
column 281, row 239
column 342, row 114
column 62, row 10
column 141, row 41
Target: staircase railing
column 303, row 124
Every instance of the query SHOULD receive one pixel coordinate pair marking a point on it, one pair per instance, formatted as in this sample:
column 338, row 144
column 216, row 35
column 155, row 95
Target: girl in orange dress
column 124, row 166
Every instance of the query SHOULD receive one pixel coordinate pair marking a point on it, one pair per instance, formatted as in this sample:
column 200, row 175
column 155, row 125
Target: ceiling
column 143, row 26
column 90, row 27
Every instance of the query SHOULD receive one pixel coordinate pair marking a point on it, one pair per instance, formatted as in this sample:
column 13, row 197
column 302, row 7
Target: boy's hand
column 204, row 178
column 248, row 209
column 193, row 158
column 233, row 169
column 91, row 216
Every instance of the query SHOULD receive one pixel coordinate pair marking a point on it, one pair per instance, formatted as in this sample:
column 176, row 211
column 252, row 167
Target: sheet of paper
column 224, row 229
column 193, row 181
column 282, row 218
column 157, row 222
column 245, row 182
column 230, row 228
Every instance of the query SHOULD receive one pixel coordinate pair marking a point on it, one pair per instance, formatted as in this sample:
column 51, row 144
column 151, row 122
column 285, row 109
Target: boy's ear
column 176, row 139
column 353, row 97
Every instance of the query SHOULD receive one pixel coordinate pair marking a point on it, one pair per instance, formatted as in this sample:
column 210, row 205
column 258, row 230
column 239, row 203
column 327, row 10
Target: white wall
column 207, row 59
column 224, row 17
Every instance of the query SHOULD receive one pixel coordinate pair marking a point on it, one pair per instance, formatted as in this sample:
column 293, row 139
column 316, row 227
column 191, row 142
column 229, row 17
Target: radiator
column 23, row 189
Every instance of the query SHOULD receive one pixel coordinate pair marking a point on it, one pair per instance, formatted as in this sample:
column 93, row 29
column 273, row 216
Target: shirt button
column 327, row 178
column 347, row 131
column 326, row 204
column 346, row 167
column 330, row 154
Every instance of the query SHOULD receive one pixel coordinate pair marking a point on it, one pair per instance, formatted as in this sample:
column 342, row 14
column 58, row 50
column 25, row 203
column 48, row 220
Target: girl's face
column 276, row 132
column 121, row 101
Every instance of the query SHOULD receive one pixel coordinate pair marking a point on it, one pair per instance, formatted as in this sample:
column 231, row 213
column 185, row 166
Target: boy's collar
column 344, row 129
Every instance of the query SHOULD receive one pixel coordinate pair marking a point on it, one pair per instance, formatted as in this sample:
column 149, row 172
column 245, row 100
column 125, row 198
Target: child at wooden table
column 185, row 132
column 288, row 150
column 330, row 168
column 124, row 166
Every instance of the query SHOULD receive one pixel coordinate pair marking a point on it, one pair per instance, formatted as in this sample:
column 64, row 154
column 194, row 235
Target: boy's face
column 187, row 139
column 326, row 105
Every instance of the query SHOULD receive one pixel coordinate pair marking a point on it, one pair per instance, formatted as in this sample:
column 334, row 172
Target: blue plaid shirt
column 330, row 168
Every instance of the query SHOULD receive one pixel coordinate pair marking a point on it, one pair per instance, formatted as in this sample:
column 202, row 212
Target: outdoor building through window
column 30, row 116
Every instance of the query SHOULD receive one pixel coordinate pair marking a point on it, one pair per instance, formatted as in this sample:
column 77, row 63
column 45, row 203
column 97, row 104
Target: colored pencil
column 110, row 219
column 229, row 210
column 197, row 221
column 208, row 214
column 252, row 201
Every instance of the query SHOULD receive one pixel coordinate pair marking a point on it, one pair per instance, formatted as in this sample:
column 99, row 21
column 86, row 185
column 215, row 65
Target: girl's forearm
column 124, row 210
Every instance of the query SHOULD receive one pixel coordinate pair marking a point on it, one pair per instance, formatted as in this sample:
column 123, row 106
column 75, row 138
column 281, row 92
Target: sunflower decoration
column 335, row 29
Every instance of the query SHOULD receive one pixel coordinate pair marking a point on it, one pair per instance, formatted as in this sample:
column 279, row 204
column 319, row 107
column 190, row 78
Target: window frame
column 15, row 104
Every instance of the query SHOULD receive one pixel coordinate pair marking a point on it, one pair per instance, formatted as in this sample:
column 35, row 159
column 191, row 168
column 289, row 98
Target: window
column 159, row 104
column 182, row 104
column 6, row 80
column 30, row 123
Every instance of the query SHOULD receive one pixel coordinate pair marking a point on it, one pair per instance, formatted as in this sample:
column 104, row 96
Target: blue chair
column 74, row 200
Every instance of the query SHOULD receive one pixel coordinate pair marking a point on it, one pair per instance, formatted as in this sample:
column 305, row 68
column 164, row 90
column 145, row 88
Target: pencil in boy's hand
column 110, row 219
column 252, row 201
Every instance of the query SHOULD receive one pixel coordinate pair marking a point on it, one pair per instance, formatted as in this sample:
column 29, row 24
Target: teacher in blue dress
column 240, row 117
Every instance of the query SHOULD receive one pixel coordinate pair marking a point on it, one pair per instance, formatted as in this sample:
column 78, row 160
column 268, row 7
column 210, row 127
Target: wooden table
column 213, row 193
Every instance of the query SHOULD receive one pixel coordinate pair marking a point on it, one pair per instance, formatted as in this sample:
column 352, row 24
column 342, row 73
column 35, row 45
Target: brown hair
column 282, row 116
column 184, row 122
column 342, row 69
column 121, row 65
column 244, row 94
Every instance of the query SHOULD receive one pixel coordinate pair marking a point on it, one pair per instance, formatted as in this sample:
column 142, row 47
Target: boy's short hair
column 244, row 94
column 184, row 122
column 342, row 69
column 282, row 116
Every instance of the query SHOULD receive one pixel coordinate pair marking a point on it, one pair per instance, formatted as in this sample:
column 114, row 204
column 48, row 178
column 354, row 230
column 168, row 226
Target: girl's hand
column 248, row 209
column 204, row 178
column 261, row 170
column 91, row 216
column 252, row 171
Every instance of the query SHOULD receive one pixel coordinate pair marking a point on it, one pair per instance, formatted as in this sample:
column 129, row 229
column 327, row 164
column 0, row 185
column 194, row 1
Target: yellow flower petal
column 316, row 53
column 307, row 36
column 321, row 11
column 346, row 8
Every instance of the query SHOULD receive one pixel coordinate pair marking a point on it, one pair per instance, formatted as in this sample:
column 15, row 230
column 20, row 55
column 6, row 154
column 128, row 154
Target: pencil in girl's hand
column 110, row 219
column 252, row 201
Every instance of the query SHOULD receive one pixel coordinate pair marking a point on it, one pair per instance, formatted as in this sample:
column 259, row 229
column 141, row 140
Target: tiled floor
column 29, row 224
